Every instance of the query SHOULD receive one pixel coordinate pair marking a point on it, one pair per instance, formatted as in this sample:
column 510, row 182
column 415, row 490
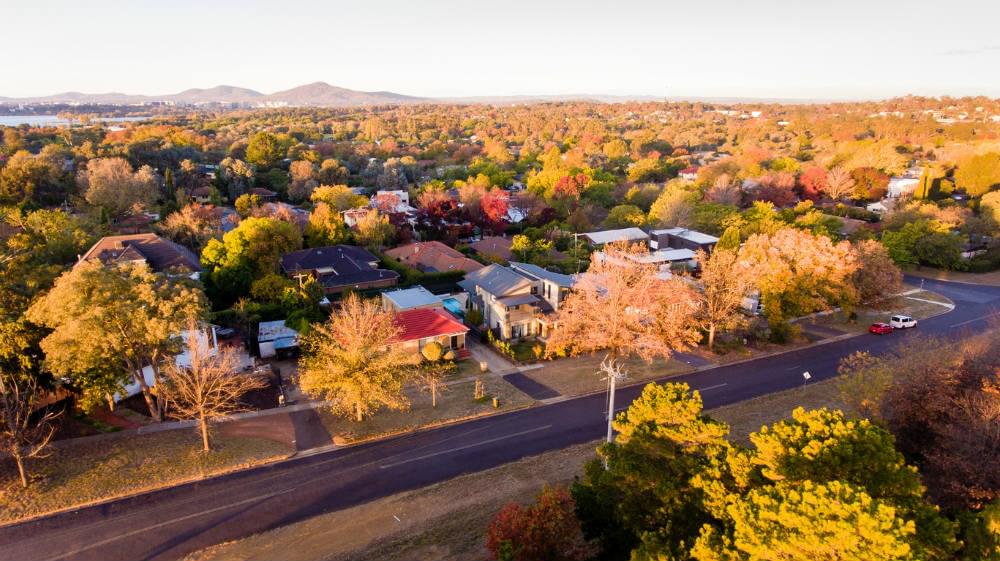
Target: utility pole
column 614, row 370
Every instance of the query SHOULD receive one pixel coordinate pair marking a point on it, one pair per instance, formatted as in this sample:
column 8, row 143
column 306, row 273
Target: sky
column 802, row 49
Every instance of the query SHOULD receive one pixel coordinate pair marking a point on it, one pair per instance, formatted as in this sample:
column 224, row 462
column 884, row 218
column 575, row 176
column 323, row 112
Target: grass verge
column 90, row 472
column 579, row 375
column 448, row 520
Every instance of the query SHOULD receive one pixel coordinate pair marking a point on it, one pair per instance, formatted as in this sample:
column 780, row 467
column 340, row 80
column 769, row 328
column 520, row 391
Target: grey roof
column 540, row 273
column 623, row 234
column 497, row 280
column 690, row 235
column 518, row 299
column 406, row 298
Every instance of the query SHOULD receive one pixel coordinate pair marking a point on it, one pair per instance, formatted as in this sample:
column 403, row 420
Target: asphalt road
column 171, row 523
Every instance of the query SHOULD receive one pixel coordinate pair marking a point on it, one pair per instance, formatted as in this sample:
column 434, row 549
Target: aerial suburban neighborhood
column 752, row 315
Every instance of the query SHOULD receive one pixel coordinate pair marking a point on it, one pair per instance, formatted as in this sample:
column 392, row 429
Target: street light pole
column 611, row 407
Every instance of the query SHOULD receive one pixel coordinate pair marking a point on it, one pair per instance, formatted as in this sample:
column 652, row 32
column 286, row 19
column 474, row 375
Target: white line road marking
column 945, row 304
column 715, row 387
column 168, row 523
column 466, row 447
column 973, row 320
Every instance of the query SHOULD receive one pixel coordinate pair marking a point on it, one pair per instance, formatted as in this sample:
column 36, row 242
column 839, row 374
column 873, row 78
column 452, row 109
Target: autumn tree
column 546, row 530
column 119, row 318
column 877, row 277
column 303, row 180
column 28, row 178
column 726, row 282
column 192, row 226
column 724, row 190
column 208, row 385
column 351, row 360
column 621, row 306
column 339, row 197
column 24, row 433
column 989, row 206
column 673, row 208
column 839, row 184
column 869, row 183
column 798, row 273
column 326, row 227
column 373, row 230
column 111, row 184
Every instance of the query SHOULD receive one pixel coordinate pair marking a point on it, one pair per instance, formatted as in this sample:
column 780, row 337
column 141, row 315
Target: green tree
column 978, row 174
column 246, row 204
column 730, row 239
column 645, row 497
column 264, row 150
column 115, row 319
column 250, row 251
column 625, row 216
column 817, row 521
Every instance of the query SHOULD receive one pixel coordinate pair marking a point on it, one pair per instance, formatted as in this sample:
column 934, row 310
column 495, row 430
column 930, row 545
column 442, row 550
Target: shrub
column 544, row 531
column 432, row 351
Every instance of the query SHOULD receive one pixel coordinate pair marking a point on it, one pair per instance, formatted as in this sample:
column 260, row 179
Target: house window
column 534, row 290
column 454, row 341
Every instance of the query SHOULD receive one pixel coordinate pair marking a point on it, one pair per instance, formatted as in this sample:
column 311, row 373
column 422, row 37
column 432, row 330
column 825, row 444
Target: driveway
column 482, row 353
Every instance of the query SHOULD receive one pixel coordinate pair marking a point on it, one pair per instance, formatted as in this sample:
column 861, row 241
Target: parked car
column 902, row 322
column 880, row 328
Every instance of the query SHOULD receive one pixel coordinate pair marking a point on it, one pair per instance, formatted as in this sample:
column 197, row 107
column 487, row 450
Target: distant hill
column 317, row 94
column 232, row 94
column 323, row 94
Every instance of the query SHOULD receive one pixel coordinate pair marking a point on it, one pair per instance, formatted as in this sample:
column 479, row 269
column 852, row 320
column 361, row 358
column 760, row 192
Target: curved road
column 170, row 523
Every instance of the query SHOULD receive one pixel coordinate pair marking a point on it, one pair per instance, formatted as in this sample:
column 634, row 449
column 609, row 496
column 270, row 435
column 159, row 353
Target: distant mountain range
column 318, row 94
column 321, row 94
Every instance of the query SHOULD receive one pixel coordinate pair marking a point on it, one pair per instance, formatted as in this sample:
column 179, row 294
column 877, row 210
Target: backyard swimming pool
column 453, row 306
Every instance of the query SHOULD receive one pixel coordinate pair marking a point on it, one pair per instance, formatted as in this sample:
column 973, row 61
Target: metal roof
column 414, row 297
column 623, row 234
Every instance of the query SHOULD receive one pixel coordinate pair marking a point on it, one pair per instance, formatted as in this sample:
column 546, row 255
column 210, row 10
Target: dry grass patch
column 95, row 471
column 579, row 375
column 914, row 305
column 453, row 404
column 445, row 521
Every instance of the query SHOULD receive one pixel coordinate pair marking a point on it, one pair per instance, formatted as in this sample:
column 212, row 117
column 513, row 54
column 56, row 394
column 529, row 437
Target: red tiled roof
column 421, row 323
column 692, row 169
column 433, row 256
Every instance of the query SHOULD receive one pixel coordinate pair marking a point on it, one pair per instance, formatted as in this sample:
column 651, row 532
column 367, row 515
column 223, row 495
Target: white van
column 902, row 322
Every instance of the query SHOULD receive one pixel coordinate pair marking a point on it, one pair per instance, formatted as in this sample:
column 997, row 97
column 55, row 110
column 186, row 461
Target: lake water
column 55, row 121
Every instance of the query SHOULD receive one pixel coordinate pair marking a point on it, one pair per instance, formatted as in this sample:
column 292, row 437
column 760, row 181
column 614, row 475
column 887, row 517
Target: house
column 515, row 302
column 881, row 207
column 433, row 257
column 286, row 212
column 552, row 287
column 160, row 254
column 354, row 215
column 135, row 223
column 409, row 299
column 902, row 186
column 274, row 337
column 422, row 326
column 621, row 235
column 397, row 196
column 493, row 248
column 338, row 267
column 266, row 195
column 664, row 259
column 201, row 195
column 681, row 238
column 689, row 173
